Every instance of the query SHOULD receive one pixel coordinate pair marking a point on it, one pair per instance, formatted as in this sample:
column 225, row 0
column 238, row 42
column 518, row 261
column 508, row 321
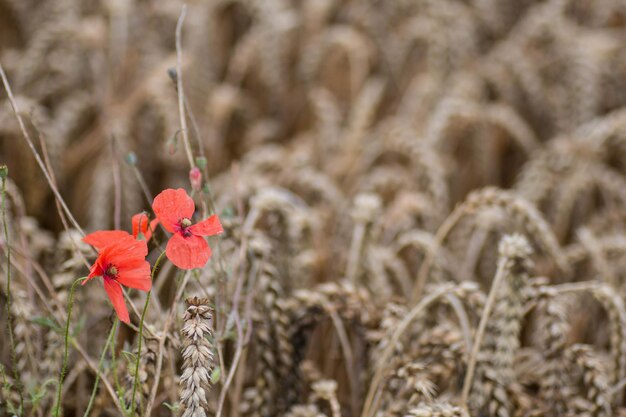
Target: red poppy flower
column 121, row 261
column 187, row 248
column 141, row 223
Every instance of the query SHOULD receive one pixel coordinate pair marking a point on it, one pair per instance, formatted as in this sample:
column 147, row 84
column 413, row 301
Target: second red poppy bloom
column 143, row 225
column 121, row 261
column 187, row 248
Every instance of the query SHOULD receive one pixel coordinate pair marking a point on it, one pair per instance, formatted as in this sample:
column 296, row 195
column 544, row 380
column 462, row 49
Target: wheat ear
column 197, row 358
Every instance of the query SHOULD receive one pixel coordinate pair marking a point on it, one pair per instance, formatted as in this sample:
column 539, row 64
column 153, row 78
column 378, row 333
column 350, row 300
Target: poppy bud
column 195, row 178
column 201, row 162
column 4, row 172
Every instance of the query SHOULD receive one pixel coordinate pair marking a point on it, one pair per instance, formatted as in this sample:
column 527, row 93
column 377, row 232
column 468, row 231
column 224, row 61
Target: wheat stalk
column 197, row 353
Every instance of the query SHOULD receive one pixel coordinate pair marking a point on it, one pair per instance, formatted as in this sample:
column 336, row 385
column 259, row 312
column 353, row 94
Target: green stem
column 70, row 304
column 116, row 380
column 16, row 379
column 102, row 356
column 143, row 316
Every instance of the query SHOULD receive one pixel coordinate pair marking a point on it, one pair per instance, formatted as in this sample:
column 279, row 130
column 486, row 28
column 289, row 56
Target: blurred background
column 338, row 135
column 481, row 83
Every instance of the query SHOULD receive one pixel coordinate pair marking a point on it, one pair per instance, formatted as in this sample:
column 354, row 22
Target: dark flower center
column 110, row 272
column 183, row 226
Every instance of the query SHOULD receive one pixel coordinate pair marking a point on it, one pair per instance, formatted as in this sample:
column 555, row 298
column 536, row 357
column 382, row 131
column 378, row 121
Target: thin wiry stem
column 235, row 304
column 8, row 290
column 161, row 348
column 66, row 341
column 143, row 316
column 179, row 85
column 46, row 158
column 464, row 322
column 192, row 117
column 482, row 326
column 373, row 393
column 183, row 125
column 350, row 364
column 100, row 364
column 142, row 184
column 94, row 369
column 116, row 379
column 250, row 295
column 31, row 282
column 356, row 248
column 51, row 183
column 59, row 322
column 424, row 270
column 138, row 359
column 240, row 336
column 117, row 188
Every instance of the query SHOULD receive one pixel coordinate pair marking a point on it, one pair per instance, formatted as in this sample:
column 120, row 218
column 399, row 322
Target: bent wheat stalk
column 369, row 406
column 511, row 276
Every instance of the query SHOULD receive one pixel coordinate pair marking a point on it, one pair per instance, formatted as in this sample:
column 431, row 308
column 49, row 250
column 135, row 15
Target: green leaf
column 47, row 322
column 40, row 392
column 216, row 375
column 172, row 407
column 131, row 358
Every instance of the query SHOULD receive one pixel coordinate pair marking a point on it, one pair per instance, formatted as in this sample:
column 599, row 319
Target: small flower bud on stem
column 195, row 178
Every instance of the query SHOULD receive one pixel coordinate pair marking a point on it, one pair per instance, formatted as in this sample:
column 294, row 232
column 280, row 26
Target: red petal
column 95, row 270
column 141, row 223
column 207, row 227
column 188, row 253
column 137, row 277
column 103, row 238
column 114, row 291
column 126, row 252
column 172, row 205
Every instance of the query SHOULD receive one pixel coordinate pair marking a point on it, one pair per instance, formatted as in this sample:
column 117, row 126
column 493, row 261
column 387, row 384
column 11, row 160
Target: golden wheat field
column 313, row 208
